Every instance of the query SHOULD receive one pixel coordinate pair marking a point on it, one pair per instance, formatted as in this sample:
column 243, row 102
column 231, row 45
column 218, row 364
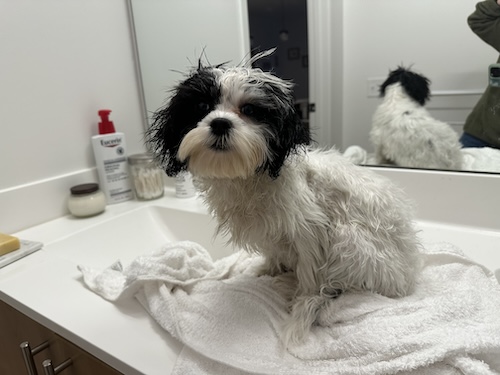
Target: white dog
column 323, row 224
column 404, row 133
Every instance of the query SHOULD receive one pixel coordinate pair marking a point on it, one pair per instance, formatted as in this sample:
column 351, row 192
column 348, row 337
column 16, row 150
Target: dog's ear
column 182, row 114
column 165, row 138
column 292, row 134
column 417, row 87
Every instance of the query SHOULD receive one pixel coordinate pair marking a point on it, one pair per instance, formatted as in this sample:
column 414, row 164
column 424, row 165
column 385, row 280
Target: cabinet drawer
column 15, row 328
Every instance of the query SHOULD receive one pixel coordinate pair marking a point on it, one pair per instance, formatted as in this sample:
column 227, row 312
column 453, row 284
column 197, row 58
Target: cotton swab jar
column 147, row 177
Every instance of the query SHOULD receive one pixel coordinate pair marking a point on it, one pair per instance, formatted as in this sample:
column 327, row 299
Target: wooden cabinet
column 16, row 328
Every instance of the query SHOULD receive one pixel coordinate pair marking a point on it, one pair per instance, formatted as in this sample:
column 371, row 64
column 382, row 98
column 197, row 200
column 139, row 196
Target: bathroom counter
column 47, row 286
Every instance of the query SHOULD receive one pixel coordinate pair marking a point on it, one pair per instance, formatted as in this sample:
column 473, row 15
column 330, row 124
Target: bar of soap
column 8, row 244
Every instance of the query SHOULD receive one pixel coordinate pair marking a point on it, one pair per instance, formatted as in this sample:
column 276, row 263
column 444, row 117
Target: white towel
column 356, row 154
column 480, row 159
column 483, row 159
column 229, row 319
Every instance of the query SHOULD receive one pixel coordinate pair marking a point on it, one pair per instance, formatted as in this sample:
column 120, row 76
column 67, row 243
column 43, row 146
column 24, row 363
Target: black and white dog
column 403, row 131
column 323, row 225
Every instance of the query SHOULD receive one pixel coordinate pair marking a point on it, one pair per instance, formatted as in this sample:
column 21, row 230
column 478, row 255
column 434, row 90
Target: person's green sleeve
column 485, row 22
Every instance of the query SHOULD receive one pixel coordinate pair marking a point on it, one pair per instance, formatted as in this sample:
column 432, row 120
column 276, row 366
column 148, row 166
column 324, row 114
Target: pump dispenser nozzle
column 105, row 126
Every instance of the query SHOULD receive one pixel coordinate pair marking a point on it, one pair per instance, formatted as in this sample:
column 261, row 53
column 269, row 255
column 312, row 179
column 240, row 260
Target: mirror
column 352, row 47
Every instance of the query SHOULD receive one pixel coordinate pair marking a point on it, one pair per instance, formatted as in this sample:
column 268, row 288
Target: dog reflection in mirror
column 323, row 225
column 404, row 133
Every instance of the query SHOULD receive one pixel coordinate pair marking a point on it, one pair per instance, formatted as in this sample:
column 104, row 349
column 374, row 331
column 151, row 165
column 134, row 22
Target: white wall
column 433, row 35
column 60, row 62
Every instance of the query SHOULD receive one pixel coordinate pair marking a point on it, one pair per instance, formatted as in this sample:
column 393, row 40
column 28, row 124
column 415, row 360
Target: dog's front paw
column 303, row 315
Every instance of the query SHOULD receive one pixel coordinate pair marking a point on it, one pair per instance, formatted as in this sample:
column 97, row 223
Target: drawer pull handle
column 28, row 354
column 50, row 370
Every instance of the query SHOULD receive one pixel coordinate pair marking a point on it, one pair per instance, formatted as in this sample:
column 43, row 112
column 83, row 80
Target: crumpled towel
column 182, row 263
column 358, row 155
column 482, row 159
column 230, row 320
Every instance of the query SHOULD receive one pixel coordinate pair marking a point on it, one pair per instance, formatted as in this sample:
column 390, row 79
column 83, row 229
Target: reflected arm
column 485, row 22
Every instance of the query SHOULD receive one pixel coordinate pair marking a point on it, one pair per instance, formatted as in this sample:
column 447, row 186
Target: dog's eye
column 247, row 109
column 203, row 107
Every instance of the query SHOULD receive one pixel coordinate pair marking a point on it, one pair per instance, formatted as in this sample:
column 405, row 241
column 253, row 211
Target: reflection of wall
column 266, row 20
column 433, row 35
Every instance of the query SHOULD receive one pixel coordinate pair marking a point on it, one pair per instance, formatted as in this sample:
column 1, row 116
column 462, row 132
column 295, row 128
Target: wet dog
column 320, row 222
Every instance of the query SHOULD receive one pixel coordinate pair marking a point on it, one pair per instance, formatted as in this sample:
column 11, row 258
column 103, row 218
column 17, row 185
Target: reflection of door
column 324, row 19
column 282, row 24
column 310, row 53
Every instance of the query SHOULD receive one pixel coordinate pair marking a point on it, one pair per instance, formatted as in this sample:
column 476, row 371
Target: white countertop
column 47, row 286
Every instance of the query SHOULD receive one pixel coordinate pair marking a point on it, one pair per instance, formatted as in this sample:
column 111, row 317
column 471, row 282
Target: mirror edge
column 137, row 63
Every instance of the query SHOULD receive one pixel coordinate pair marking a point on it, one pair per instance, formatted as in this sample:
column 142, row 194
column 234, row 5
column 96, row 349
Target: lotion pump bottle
column 111, row 159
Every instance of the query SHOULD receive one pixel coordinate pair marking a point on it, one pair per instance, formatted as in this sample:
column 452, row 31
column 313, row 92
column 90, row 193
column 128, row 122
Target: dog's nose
column 220, row 126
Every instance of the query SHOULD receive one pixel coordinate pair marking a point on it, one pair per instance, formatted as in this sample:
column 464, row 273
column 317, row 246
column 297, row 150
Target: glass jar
column 147, row 177
column 86, row 200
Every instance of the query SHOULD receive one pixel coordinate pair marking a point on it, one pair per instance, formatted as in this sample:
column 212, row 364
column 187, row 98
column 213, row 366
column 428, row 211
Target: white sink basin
column 145, row 229
column 136, row 233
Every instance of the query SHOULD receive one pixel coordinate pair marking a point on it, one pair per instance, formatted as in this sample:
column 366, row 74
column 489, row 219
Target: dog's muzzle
column 221, row 128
